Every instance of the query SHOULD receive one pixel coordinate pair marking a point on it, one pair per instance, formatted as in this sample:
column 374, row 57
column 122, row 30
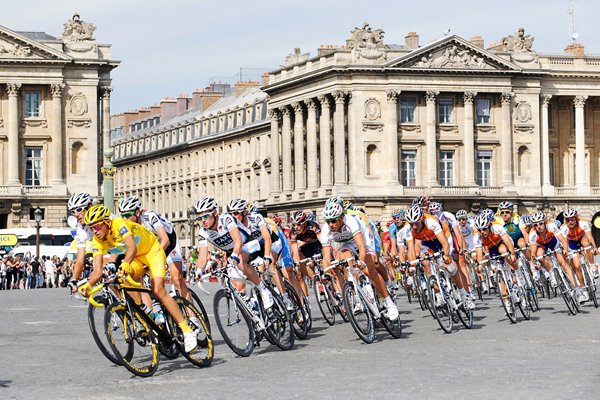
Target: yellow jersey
column 119, row 229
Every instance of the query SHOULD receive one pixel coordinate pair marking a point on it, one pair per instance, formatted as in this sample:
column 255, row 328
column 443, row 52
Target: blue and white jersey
column 221, row 237
column 251, row 231
column 153, row 221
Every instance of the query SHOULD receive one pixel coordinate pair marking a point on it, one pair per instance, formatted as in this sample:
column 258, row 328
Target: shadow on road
column 5, row 384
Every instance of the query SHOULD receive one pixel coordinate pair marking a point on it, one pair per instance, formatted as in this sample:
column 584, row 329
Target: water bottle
column 368, row 289
column 253, row 304
column 444, row 288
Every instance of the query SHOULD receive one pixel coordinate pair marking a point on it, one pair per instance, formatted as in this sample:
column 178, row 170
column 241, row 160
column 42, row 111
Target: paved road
column 46, row 351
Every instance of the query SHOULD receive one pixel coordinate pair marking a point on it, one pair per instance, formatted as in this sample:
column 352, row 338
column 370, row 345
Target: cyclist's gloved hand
column 72, row 286
column 126, row 268
column 447, row 260
column 235, row 258
column 268, row 260
column 84, row 288
column 361, row 264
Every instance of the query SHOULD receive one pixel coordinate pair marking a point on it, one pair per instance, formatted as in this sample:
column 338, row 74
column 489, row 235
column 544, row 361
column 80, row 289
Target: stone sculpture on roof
column 367, row 43
column 78, row 35
column 519, row 43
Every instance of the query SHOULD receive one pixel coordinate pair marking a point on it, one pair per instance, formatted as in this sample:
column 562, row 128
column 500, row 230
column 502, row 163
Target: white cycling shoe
column 392, row 313
column 267, row 298
column 189, row 341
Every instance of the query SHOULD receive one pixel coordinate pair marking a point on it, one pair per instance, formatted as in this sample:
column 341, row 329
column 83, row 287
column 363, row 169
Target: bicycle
column 131, row 331
column 360, row 300
column 475, row 279
column 526, row 280
column 564, row 285
column 329, row 301
column 589, row 281
column 514, row 294
column 243, row 321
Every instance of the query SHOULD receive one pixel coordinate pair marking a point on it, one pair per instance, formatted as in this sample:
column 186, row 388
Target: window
column 371, row 150
column 551, row 168
column 483, row 111
column 445, row 108
column 447, row 168
column 32, row 103
column 550, row 117
column 76, row 157
column 408, row 163
column 33, row 166
column 407, row 109
column 484, row 168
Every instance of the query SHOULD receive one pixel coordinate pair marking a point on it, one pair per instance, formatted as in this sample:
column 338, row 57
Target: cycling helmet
column 129, row 204
column 570, row 213
column 277, row 219
column 205, row 204
column 526, row 220
column 538, row 217
column 298, row 217
column 396, row 212
column 79, row 199
column 251, row 208
column 557, row 223
column 401, row 215
column 413, row 214
column 359, row 209
column 421, row 201
column 435, row 208
column 482, row 222
column 311, row 217
column 489, row 213
column 461, row 214
column 348, row 205
column 377, row 223
column 506, row 205
column 335, row 199
column 332, row 211
column 237, row 205
column 96, row 214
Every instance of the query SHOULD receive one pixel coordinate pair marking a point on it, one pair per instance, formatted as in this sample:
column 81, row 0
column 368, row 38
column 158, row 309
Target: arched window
column 523, row 160
column 371, row 150
column 76, row 157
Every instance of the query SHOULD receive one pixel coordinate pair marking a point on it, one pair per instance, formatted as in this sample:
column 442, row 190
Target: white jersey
column 153, row 221
column 402, row 234
column 82, row 235
column 221, row 237
column 252, row 231
column 470, row 234
column 352, row 225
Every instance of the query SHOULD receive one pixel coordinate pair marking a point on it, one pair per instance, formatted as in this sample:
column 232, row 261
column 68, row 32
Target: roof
column 37, row 35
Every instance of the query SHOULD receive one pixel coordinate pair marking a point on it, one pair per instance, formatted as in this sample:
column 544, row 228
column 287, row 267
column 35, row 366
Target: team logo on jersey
column 123, row 230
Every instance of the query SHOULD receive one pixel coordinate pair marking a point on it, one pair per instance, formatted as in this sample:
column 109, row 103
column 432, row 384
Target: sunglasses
column 204, row 217
column 331, row 221
column 300, row 224
column 127, row 214
column 539, row 224
column 570, row 219
column 77, row 210
column 414, row 223
column 462, row 219
column 237, row 212
column 505, row 212
column 97, row 227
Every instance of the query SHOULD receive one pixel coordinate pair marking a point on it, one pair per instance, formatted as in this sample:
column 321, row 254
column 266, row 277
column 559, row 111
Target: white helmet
column 79, row 200
column 332, row 211
column 205, row 204
column 435, row 208
column 461, row 214
column 335, row 199
column 506, row 205
column 237, row 205
column 482, row 221
column 570, row 213
column 129, row 204
column 413, row 214
column 538, row 217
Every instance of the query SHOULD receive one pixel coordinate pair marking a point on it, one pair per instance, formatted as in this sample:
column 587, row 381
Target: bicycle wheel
column 478, row 287
column 130, row 334
column 393, row 327
column 96, row 322
column 507, row 301
column 324, row 301
column 590, row 285
column 443, row 313
column 464, row 315
column 565, row 292
column 360, row 316
column 300, row 320
column 524, row 303
column 338, row 301
column 196, row 302
column 279, row 323
column 202, row 355
column 233, row 323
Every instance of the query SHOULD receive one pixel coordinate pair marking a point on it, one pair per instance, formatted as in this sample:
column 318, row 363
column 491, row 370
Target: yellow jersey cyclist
column 142, row 250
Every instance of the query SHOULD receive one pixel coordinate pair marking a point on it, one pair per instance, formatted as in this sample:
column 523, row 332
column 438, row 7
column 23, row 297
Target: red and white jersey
column 494, row 238
column 431, row 227
column 577, row 232
column 547, row 236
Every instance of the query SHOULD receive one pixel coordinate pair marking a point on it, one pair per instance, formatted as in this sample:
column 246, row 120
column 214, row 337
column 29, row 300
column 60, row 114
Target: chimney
column 265, row 79
column 168, row 109
column 478, row 41
column 182, row 103
column 196, row 99
column 130, row 117
column 577, row 49
column 411, row 40
column 241, row 87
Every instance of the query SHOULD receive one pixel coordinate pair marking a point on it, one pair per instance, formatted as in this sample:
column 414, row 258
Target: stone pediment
column 13, row 45
column 453, row 53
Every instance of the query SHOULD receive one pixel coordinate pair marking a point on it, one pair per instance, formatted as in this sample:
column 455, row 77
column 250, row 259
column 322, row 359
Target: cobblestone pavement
column 46, row 351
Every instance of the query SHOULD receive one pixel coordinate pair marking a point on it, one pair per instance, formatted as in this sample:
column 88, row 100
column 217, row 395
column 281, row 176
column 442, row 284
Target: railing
column 488, row 190
column 36, row 190
column 595, row 191
column 564, row 191
column 561, row 61
column 4, row 190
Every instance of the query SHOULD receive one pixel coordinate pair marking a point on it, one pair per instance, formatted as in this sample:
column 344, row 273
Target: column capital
column 324, row 100
column 339, row 96
column 274, row 113
column 285, row 111
column 393, row 94
column 106, row 91
column 310, row 104
column 297, row 106
column 545, row 99
column 57, row 89
column 468, row 97
column 579, row 101
column 431, row 95
column 506, row 97
column 13, row 89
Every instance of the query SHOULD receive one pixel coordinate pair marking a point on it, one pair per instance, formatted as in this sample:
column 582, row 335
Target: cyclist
column 578, row 234
column 131, row 209
column 468, row 232
column 305, row 231
column 348, row 236
column 142, row 250
column 222, row 231
column 78, row 204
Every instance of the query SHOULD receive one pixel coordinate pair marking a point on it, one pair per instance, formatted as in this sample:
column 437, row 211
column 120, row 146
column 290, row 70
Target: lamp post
column 191, row 217
column 37, row 216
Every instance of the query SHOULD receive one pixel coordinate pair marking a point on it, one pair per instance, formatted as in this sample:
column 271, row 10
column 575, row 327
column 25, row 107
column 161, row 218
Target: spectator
column 49, row 269
column 10, row 272
column 35, row 272
column 3, row 272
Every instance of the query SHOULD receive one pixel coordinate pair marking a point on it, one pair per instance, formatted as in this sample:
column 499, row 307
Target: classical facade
column 381, row 123
column 54, row 107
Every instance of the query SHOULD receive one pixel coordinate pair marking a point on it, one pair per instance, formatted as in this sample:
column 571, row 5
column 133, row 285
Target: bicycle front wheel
column 129, row 334
column 443, row 313
column 279, row 323
column 233, row 323
column 197, row 303
column 96, row 321
column 507, row 301
column 202, row 355
column 324, row 301
column 360, row 316
column 299, row 317
column 565, row 291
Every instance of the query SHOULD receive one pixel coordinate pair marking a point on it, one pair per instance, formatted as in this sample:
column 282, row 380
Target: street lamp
column 37, row 216
column 191, row 217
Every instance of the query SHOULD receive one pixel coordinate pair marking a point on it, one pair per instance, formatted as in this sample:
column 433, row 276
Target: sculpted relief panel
column 452, row 57
column 10, row 49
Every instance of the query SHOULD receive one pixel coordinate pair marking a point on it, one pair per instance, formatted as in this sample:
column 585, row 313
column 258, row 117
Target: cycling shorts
column 310, row 249
column 553, row 244
column 575, row 245
column 155, row 260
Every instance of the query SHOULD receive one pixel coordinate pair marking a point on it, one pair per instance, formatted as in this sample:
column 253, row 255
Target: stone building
column 381, row 123
column 54, row 109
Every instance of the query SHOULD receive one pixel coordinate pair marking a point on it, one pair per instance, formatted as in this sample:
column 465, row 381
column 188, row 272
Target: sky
column 167, row 48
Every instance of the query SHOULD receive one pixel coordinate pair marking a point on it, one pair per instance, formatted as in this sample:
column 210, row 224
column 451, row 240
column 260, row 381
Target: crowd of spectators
column 33, row 273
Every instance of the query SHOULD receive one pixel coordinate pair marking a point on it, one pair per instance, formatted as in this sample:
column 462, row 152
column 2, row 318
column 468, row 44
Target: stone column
column 299, row 178
column 274, row 115
column 264, row 179
column 107, row 170
column 286, row 143
column 545, row 141
column 325, row 141
column 311, row 145
column 580, row 170
column 469, row 140
column 56, row 172
column 507, row 141
column 339, row 140
column 106, row 92
column 430, row 138
column 13, row 133
column 390, row 141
